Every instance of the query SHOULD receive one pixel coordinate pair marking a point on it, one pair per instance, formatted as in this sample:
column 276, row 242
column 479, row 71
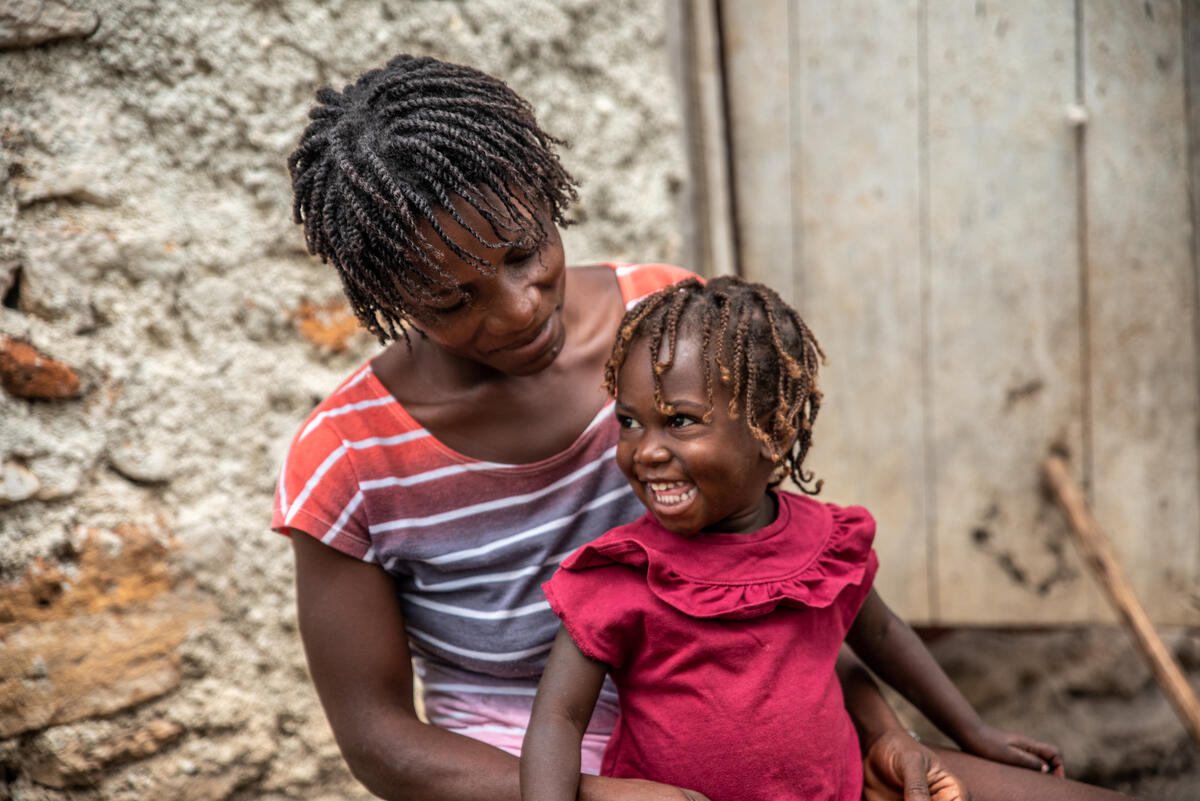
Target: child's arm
column 563, row 706
column 892, row 649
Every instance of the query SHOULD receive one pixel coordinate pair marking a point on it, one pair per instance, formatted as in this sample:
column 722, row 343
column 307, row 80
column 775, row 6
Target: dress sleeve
column 854, row 531
column 318, row 494
column 599, row 608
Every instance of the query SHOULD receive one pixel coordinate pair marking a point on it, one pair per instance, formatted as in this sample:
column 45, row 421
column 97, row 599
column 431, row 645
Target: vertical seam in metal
column 1081, row 214
column 727, row 115
column 795, row 109
column 698, row 204
column 929, row 470
column 1190, row 33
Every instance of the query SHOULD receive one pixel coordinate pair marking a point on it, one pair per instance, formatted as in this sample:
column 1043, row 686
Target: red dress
column 722, row 647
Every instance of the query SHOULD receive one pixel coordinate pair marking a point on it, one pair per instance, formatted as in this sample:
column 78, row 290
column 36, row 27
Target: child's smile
column 692, row 475
column 672, row 493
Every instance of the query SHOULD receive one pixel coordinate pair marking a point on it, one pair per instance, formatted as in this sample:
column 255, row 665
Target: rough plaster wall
column 147, row 207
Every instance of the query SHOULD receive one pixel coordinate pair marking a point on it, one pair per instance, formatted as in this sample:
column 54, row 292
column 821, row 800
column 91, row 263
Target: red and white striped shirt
column 469, row 542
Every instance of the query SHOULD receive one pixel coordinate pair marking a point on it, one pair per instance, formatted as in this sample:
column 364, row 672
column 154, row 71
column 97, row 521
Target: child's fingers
column 1016, row 755
column 1050, row 756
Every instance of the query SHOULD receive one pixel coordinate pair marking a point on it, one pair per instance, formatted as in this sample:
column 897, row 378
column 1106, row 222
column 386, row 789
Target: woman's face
column 510, row 321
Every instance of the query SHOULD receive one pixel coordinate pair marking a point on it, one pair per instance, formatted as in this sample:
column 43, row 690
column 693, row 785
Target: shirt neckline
column 411, row 423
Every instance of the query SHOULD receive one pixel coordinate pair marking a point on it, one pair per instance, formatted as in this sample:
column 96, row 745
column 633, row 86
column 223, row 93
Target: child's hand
column 896, row 763
column 1015, row 749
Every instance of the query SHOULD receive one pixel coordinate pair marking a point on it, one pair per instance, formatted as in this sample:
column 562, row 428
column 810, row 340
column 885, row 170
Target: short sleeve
column 318, row 492
column 854, row 529
column 637, row 281
column 599, row 608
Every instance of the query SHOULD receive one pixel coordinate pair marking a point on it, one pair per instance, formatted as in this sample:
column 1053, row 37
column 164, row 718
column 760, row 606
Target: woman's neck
column 488, row 415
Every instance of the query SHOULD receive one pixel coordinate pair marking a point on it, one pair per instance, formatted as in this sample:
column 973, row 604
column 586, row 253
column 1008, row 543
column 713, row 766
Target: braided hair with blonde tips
column 756, row 345
column 381, row 159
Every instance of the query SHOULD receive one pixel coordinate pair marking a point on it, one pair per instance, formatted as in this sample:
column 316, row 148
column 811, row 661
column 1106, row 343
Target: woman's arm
column 565, row 700
column 358, row 656
column 895, row 765
column 892, row 649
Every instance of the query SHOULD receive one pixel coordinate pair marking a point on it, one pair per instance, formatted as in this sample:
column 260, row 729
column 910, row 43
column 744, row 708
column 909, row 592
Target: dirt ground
column 1085, row 689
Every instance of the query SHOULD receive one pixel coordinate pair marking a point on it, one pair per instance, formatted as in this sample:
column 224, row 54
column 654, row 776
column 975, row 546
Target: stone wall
column 163, row 333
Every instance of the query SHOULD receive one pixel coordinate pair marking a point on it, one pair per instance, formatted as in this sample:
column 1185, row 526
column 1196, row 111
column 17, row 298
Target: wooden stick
column 1097, row 552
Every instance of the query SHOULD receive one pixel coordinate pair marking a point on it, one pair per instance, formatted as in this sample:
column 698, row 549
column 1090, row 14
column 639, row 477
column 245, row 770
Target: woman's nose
column 516, row 309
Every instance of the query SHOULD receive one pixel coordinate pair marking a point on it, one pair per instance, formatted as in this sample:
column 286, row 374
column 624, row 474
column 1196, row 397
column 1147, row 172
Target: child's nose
column 651, row 451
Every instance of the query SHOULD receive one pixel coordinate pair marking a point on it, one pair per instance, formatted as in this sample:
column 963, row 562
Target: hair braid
column 391, row 152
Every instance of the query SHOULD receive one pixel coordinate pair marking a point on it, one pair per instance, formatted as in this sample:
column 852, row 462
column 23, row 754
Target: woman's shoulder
column 635, row 280
column 356, row 419
column 639, row 280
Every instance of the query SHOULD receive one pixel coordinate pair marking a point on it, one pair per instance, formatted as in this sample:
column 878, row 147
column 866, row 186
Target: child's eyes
column 673, row 421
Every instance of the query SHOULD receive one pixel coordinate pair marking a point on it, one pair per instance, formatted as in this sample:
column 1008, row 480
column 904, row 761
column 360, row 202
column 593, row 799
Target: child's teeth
column 662, row 492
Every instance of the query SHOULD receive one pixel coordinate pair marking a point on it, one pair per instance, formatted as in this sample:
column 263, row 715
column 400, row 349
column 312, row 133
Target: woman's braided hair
column 759, row 347
column 384, row 156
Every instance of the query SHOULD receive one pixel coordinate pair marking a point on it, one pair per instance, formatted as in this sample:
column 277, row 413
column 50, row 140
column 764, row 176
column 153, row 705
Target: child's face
column 694, row 476
column 510, row 321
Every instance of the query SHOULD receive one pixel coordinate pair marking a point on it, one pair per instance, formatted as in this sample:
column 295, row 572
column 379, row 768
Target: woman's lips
column 522, row 343
column 534, row 344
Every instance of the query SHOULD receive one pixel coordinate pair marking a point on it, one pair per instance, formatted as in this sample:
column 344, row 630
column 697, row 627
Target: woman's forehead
column 511, row 218
column 438, row 268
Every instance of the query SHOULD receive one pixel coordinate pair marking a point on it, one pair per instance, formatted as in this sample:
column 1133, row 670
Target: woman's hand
column 999, row 745
column 600, row 788
column 897, row 766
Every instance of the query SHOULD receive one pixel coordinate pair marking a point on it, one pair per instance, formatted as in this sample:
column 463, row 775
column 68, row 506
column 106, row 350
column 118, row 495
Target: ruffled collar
column 806, row 557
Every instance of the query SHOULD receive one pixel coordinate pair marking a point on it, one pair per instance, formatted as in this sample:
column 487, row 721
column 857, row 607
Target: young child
column 720, row 613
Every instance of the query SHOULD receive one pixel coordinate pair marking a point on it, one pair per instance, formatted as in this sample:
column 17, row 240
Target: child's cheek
column 625, row 459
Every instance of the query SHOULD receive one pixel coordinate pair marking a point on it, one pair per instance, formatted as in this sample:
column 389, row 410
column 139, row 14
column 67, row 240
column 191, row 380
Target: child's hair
column 382, row 157
column 762, row 351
